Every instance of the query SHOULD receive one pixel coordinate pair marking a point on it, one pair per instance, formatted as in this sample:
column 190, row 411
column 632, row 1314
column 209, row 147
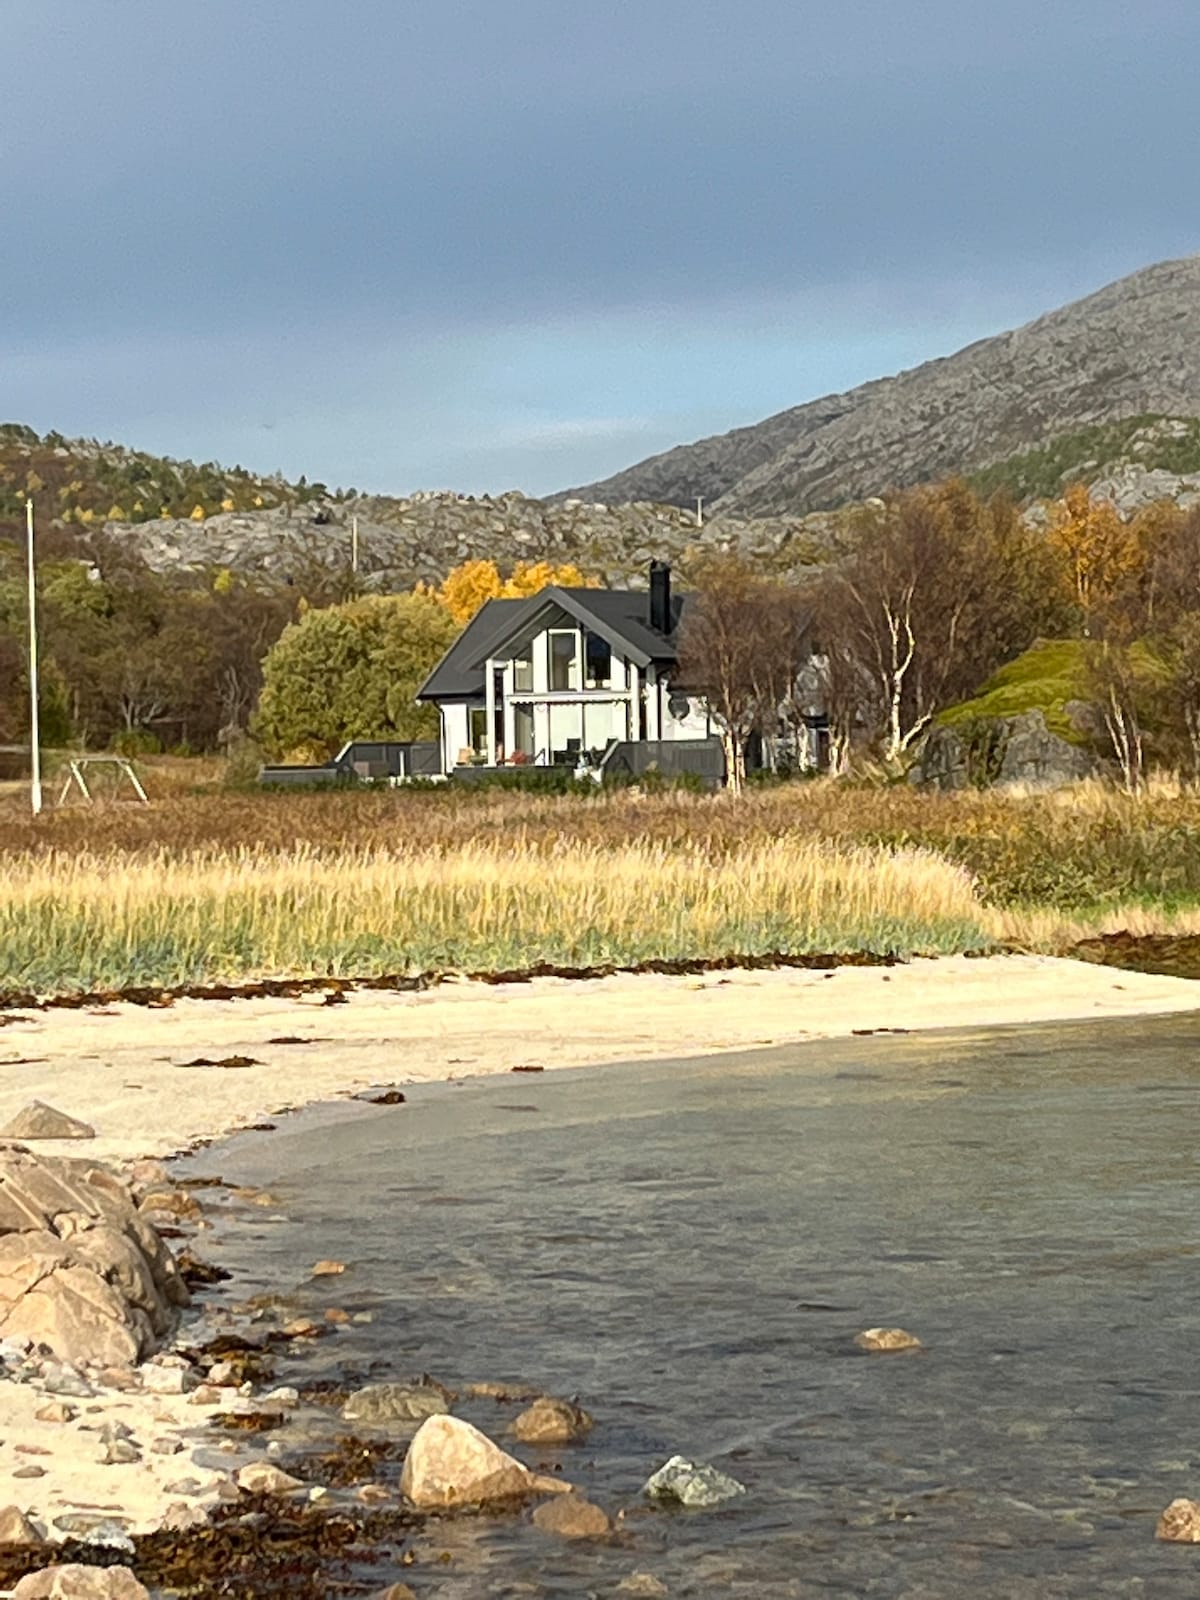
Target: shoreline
column 159, row 1082
column 134, row 1075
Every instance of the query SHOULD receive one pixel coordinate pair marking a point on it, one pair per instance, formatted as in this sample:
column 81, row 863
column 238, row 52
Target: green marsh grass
column 81, row 921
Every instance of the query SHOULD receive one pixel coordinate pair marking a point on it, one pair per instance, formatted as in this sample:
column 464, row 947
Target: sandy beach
column 128, row 1071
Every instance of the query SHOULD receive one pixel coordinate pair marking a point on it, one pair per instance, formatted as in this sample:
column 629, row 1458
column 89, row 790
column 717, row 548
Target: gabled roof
column 454, row 678
column 622, row 616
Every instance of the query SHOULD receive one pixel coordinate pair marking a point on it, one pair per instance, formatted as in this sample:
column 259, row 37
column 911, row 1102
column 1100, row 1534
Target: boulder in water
column 551, row 1421
column 450, row 1463
column 691, row 1483
column 398, row 1402
column 884, row 1339
column 570, row 1516
column 1180, row 1522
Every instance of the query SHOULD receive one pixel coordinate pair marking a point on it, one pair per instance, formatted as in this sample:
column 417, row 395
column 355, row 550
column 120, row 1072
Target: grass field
column 209, row 884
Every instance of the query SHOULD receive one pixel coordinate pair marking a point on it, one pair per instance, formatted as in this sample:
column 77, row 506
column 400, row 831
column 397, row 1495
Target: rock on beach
column 81, row 1272
column 80, row 1583
column 40, row 1121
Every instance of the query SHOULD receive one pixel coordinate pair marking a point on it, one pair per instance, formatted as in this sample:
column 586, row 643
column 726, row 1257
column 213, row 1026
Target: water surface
column 690, row 1247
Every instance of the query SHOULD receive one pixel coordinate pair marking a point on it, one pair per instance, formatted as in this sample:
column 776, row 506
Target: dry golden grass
column 84, row 920
column 207, row 883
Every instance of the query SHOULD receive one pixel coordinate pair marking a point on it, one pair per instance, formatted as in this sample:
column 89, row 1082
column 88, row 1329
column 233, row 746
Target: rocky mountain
column 1130, row 351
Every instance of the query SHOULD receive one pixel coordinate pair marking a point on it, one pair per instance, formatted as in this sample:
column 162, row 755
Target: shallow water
column 690, row 1248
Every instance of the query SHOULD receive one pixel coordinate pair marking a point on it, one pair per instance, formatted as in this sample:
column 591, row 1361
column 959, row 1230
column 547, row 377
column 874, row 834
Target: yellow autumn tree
column 1097, row 549
column 531, row 577
column 473, row 583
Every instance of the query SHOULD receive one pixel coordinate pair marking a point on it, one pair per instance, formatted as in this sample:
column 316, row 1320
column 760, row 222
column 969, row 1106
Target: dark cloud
column 297, row 185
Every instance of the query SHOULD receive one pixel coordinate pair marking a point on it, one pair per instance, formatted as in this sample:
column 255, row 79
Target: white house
column 556, row 678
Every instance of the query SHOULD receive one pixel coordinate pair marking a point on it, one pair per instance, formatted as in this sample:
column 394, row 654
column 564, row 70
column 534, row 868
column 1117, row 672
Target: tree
column 351, row 672
column 743, row 644
column 469, row 586
column 1098, row 550
column 932, row 590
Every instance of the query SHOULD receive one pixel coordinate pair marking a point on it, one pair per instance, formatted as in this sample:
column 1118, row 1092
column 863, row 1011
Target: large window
column 479, row 730
column 597, row 662
column 523, row 670
column 564, row 659
column 523, row 731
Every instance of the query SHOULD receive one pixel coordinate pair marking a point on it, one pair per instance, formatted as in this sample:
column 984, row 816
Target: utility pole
column 35, row 746
column 699, row 510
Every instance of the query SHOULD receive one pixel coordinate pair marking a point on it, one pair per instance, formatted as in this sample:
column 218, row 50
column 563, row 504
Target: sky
column 493, row 244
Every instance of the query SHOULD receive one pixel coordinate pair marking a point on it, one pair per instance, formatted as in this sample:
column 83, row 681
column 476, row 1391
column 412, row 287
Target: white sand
column 121, row 1068
column 135, row 1494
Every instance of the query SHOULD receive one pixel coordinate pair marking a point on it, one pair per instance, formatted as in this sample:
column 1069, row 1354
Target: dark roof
column 454, row 677
column 619, row 615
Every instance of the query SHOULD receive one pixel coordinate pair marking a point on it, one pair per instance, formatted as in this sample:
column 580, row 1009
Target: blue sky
column 486, row 244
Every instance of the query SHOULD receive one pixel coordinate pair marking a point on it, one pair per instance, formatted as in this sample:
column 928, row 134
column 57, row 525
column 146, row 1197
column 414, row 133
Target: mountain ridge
column 1128, row 349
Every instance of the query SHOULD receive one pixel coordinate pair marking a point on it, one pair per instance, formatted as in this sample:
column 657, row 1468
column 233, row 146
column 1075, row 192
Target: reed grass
column 212, row 884
column 98, row 920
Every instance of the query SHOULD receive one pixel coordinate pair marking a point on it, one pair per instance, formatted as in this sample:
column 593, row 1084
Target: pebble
column 262, row 1477
column 30, row 1472
column 56, row 1411
column 328, row 1269
column 184, row 1486
column 167, row 1380
column 166, row 1447
column 285, row 1396
column 62, row 1380
column 120, row 1453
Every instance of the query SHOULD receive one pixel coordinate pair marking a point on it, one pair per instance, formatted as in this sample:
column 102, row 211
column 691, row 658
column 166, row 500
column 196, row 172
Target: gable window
column 597, row 661
column 564, row 659
column 523, row 670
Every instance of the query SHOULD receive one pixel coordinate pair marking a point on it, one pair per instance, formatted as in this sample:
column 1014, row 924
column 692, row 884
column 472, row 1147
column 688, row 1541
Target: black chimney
column 660, row 597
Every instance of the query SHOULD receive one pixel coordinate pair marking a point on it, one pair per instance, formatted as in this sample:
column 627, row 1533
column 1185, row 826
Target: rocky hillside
column 182, row 517
column 1130, row 351
column 403, row 541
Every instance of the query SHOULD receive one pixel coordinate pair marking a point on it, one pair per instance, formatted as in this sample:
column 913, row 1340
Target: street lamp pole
column 35, row 761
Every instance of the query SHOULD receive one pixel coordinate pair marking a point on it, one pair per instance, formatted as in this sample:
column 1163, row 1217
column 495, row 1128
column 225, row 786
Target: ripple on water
column 690, row 1249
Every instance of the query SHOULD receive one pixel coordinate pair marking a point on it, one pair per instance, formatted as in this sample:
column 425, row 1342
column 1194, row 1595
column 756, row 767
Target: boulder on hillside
column 80, row 1271
column 40, row 1121
column 80, row 1583
column 450, row 1463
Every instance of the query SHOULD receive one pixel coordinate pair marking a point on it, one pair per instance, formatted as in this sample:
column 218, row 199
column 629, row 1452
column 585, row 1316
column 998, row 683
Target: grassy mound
column 1048, row 675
